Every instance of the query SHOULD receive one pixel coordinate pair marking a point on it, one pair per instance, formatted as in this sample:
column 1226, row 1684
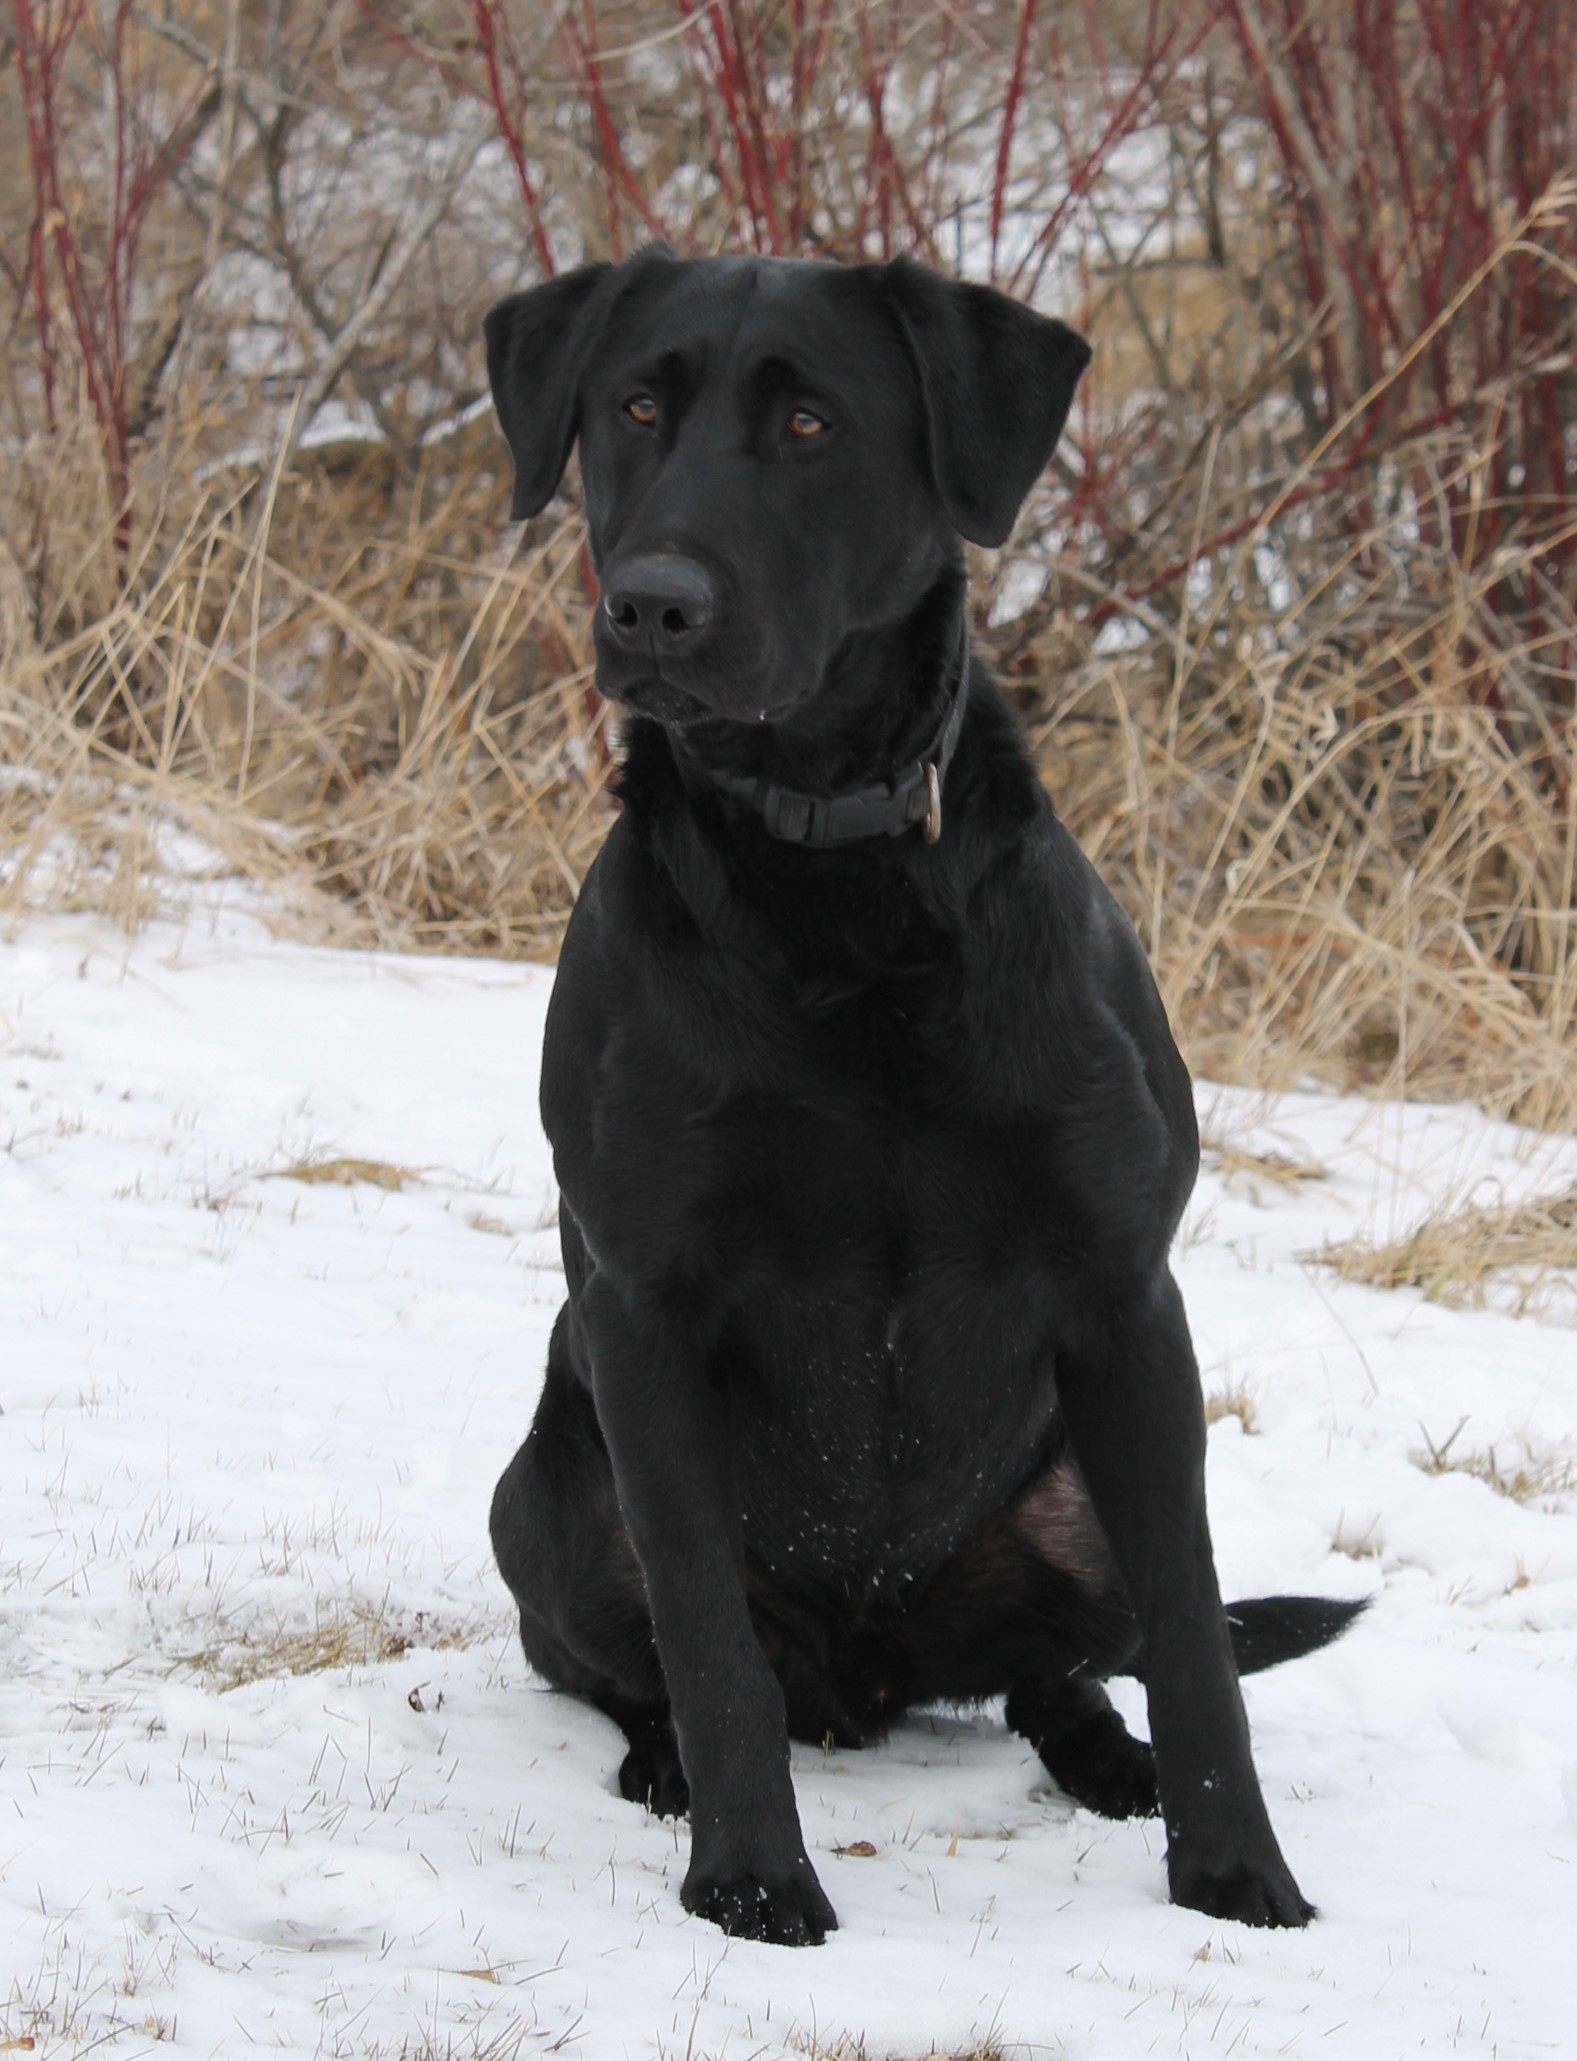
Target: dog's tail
column 1270, row 1629
column 1266, row 1630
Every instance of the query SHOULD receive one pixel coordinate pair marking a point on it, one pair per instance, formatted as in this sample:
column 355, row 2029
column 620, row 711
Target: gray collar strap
column 821, row 822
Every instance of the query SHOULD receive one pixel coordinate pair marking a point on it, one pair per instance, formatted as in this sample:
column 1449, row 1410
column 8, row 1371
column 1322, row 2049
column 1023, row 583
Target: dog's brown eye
column 804, row 424
column 641, row 408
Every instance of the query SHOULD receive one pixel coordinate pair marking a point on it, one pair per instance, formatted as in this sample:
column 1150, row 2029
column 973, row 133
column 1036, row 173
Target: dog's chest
column 888, row 1283
column 872, row 1228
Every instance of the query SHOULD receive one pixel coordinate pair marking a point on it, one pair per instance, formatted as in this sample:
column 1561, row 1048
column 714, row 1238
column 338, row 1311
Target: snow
column 252, row 1421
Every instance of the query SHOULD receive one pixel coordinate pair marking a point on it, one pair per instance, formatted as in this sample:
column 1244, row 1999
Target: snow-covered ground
column 272, row 1771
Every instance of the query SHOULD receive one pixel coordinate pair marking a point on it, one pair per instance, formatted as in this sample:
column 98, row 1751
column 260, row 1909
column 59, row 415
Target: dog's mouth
column 653, row 694
column 657, row 694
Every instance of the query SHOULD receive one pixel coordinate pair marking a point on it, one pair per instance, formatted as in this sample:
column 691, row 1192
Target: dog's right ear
column 537, row 344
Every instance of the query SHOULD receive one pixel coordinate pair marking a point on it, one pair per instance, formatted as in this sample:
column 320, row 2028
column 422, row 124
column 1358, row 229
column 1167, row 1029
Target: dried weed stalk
column 1516, row 1470
column 1457, row 1255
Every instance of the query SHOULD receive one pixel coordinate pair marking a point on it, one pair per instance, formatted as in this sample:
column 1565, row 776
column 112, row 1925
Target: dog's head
column 775, row 455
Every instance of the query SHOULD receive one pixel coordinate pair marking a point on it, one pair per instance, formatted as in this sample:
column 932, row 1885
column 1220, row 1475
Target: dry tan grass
column 340, row 1636
column 1458, row 1254
column 369, row 702
column 852, row 2047
column 1234, row 1401
column 1343, row 863
column 341, row 1172
column 1237, row 1166
column 1357, row 1544
column 366, row 698
column 1516, row 1470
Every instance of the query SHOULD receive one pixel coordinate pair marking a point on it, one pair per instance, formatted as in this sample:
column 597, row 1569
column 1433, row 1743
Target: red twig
column 1164, row 51
column 1453, row 120
column 495, row 40
column 82, row 266
column 586, row 62
column 490, row 20
column 1010, row 103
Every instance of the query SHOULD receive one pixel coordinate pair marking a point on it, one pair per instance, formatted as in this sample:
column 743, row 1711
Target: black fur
column 872, row 1386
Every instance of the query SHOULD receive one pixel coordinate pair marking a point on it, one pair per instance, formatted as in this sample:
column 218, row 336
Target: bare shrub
column 1292, row 625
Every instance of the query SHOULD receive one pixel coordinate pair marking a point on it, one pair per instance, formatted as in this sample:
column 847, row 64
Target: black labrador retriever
column 873, row 1387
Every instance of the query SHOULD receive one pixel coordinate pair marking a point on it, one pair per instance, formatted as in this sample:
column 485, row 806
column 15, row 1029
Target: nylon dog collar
column 821, row 822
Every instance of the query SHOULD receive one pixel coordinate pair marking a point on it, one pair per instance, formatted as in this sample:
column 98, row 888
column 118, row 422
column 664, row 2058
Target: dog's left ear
column 538, row 343
column 997, row 381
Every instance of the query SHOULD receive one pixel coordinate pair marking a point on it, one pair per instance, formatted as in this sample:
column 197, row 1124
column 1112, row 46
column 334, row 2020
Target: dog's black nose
column 658, row 600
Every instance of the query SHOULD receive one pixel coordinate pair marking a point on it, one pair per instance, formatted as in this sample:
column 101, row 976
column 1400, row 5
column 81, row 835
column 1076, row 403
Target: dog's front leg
column 1130, row 1395
column 668, row 1436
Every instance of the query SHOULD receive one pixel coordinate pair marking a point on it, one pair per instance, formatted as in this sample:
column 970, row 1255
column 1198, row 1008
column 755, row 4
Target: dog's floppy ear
column 997, row 380
column 538, row 343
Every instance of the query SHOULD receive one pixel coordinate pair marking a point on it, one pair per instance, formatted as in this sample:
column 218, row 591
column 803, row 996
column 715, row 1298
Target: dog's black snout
column 661, row 597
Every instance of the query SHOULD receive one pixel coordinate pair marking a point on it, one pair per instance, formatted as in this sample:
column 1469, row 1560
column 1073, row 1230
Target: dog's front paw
column 1253, row 1892
column 783, row 1913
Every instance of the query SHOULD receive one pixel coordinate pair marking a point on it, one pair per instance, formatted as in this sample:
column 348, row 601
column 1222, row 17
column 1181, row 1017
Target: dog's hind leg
column 1061, row 1709
column 562, row 1547
column 1087, row 1749
column 1058, row 1704
column 1035, row 1607
column 1083, row 1743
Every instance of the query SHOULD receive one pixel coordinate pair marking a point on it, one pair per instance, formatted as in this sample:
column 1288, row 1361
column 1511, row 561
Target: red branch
column 90, row 268
column 1010, row 101
column 1453, row 121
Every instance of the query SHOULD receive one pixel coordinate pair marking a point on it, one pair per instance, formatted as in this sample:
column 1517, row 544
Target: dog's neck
column 867, row 754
